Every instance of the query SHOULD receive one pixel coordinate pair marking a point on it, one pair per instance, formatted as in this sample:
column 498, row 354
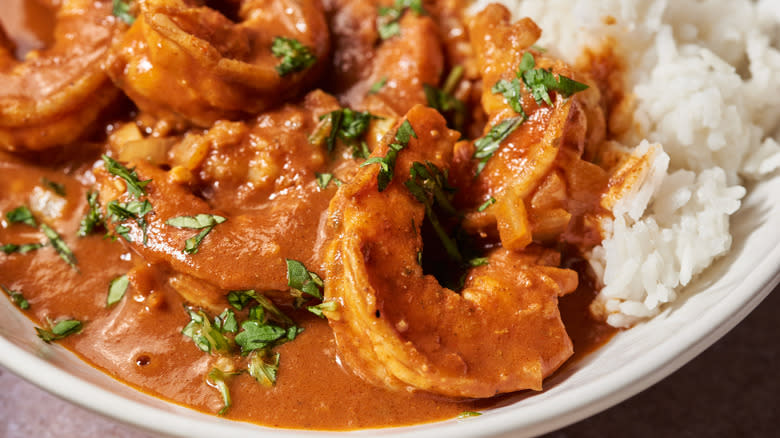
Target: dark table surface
column 730, row 390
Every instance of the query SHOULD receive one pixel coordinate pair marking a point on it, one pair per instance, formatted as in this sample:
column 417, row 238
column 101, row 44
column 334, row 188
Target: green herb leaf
column 134, row 185
column 445, row 102
column 216, row 378
column 226, row 321
column 21, row 215
column 93, row 219
column 388, row 22
column 206, row 337
column 428, row 184
column 294, row 55
column 117, row 289
column 466, row 414
column 478, row 261
column 255, row 336
column 486, row 204
column 345, row 124
column 10, row 248
column 264, row 368
column 512, row 91
column 301, row 279
column 53, row 186
column 540, row 81
column 205, row 222
column 325, row 306
column 121, row 10
column 387, row 163
column 59, row 245
column 378, row 85
column 119, row 211
column 16, row 298
column 60, row 330
column 323, row 179
column 124, row 231
column 486, row 146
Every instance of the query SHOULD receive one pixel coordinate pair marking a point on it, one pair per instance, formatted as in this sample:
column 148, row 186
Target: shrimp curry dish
column 311, row 214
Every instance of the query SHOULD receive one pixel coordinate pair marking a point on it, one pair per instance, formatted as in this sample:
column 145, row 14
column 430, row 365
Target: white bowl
column 629, row 363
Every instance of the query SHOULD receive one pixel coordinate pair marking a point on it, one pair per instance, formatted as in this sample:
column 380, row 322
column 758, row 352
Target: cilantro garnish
column 323, row 179
column 512, row 91
column 117, row 289
column 59, row 245
column 204, row 222
column 135, row 186
column 10, row 248
column 478, row 261
column 302, row 280
column 240, row 298
column 345, row 125
column 217, row 379
column 121, row 10
column 540, row 81
column 226, row 321
column 264, row 368
column 486, row 204
column 16, row 298
column 443, row 100
column 486, row 146
column 93, row 219
column 256, row 335
column 53, row 186
column 387, row 163
column 325, row 306
column 60, row 330
column 206, row 336
column 377, row 85
column 294, row 55
column 21, row 215
column 428, row 184
column 120, row 211
column 466, row 414
column 388, row 23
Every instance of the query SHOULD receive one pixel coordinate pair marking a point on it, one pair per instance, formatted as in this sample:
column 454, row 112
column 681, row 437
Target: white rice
column 705, row 77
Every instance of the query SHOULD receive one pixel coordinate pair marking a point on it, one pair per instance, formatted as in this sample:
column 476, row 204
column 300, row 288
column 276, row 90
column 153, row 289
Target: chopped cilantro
column 117, row 289
column 10, row 248
column 478, row 261
column 323, row 179
column 486, row 204
column 325, row 306
column 428, row 184
column 121, row 10
column 345, row 125
column 388, row 23
column 21, row 215
column 486, row 146
column 217, row 378
column 16, row 298
column 53, row 186
column 387, row 163
column 203, row 222
column 540, row 81
column 378, row 85
column 60, row 330
column 264, row 368
column 255, row 335
column 240, row 298
column 226, row 321
column 93, row 218
column 120, row 211
column 512, row 92
column 302, row 280
column 466, row 414
column 134, row 185
column 59, row 245
column 443, row 100
column 206, row 336
column 294, row 55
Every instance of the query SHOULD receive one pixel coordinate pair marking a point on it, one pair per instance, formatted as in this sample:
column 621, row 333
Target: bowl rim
column 581, row 402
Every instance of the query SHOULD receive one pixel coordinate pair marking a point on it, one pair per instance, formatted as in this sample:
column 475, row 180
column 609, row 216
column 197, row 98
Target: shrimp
column 54, row 96
column 400, row 329
column 536, row 178
column 183, row 61
column 260, row 176
column 384, row 77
